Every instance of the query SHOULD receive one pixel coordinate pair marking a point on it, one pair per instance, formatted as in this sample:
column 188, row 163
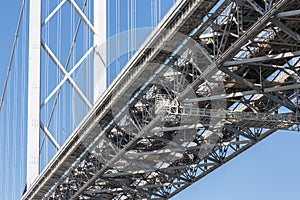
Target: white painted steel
column 100, row 28
column 33, row 126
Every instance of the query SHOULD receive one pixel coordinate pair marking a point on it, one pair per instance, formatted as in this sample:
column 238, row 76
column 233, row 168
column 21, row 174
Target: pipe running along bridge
column 212, row 79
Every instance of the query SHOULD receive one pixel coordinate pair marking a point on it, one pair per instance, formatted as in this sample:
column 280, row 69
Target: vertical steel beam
column 33, row 126
column 100, row 50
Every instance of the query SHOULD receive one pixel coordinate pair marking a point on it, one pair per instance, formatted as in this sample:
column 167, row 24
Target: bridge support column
column 33, row 123
column 100, row 51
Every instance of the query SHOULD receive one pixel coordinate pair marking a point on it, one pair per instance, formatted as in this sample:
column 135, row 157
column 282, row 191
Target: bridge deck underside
column 240, row 86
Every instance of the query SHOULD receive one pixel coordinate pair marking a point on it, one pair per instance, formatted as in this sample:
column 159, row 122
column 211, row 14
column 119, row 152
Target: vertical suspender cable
column 116, row 33
column 72, row 63
column 86, row 39
column 130, row 27
column 64, row 102
column 134, row 24
column 128, row 30
column 159, row 11
column 155, row 12
column 1, row 157
column 47, row 80
column 117, row 36
column 14, row 120
column 108, row 53
column 85, row 67
column 7, row 142
column 85, row 48
column 45, row 90
column 22, row 94
column 1, row 154
column 151, row 13
column 59, row 38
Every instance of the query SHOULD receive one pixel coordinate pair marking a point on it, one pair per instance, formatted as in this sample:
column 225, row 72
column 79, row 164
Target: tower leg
column 33, row 123
column 100, row 51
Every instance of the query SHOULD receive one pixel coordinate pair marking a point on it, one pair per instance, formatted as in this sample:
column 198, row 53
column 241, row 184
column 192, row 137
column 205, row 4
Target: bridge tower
column 184, row 105
column 42, row 55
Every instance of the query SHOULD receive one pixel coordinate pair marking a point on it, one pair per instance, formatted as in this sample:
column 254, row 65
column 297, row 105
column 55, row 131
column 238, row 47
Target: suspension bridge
column 206, row 82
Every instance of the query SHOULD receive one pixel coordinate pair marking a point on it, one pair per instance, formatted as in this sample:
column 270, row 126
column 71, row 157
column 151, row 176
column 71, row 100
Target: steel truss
column 172, row 118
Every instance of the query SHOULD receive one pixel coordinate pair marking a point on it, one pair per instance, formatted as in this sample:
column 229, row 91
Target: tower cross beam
column 65, row 73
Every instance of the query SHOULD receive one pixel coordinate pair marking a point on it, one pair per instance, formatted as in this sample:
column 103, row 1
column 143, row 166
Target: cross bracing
column 212, row 80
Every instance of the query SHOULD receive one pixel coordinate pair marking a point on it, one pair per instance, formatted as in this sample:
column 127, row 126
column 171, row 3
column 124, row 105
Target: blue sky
column 269, row 170
column 11, row 180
